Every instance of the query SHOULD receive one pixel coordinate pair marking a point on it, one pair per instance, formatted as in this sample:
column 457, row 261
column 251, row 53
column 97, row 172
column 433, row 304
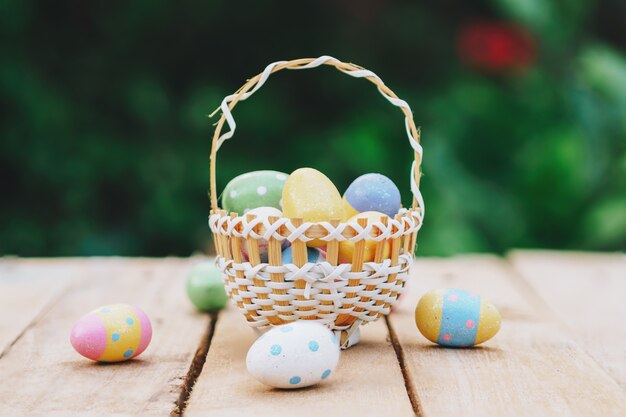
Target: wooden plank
column 532, row 367
column 27, row 288
column 368, row 380
column 42, row 375
column 587, row 292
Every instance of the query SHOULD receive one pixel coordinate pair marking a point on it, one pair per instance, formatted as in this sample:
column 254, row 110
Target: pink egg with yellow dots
column 112, row 333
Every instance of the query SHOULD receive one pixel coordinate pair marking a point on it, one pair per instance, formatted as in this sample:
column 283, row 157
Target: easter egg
column 205, row 287
column 112, row 333
column 348, row 210
column 294, row 355
column 252, row 190
column 372, row 192
column 310, row 195
column 346, row 247
column 313, row 255
column 455, row 318
column 263, row 212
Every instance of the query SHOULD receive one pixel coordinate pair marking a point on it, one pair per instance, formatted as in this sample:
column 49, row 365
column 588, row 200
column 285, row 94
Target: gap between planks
column 408, row 383
column 532, row 367
column 514, row 308
column 152, row 383
column 367, row 381
column 195, row 369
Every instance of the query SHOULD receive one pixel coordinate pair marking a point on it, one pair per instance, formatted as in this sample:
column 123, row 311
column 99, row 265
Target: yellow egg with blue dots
column 112, row 333
column 454, row 317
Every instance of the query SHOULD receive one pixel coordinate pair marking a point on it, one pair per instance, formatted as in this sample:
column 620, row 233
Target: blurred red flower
column 496, row 46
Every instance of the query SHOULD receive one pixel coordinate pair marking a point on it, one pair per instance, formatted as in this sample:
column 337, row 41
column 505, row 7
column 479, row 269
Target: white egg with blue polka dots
column 294, row 355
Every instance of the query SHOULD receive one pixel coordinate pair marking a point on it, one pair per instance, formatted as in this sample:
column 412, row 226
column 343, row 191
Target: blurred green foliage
column 105, row 139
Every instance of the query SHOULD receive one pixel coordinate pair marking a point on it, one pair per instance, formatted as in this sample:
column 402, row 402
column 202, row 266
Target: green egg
column 254, row 189
column 205, row 287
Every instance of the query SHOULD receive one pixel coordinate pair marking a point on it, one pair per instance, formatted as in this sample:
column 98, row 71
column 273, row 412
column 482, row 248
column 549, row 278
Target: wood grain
column 27, row 289
column 42, row 375
column 532, row 367
column 368, row 380
column 587, row 292
column 561, row 350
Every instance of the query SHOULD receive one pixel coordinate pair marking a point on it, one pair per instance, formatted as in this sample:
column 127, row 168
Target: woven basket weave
column 342, row 296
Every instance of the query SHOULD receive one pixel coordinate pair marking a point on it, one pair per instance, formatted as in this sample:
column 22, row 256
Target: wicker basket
column 342, row 296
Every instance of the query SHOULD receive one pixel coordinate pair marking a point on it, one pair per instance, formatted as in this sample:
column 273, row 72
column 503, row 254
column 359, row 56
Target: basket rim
column 407, row 221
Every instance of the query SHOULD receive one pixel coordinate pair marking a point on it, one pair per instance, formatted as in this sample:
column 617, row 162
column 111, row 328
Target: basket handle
column 352, row 70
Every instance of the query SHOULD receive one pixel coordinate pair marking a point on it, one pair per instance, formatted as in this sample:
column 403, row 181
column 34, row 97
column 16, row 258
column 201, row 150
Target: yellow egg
column 346, row 247
column 310, row 195
column 456, row 318
column 348, row 210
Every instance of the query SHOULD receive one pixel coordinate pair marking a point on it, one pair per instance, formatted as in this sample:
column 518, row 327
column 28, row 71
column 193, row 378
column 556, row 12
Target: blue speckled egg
column 294, row 355
column 313, row 255
column 372, row 192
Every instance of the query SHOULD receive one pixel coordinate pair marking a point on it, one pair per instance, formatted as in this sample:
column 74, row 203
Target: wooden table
column 561, row 350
